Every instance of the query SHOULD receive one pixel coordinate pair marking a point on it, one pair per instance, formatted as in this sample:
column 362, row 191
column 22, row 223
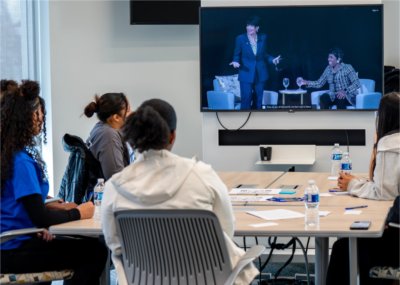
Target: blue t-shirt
column 26, row 180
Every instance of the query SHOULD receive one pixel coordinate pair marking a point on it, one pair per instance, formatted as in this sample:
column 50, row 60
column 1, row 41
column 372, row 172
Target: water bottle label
column 336, row 156
column 312, row 198
column 98, row 196
column 346, row 166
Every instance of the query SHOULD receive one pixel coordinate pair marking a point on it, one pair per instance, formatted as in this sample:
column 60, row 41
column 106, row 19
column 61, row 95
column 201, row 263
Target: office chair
column 30, row 278
column 176, row 247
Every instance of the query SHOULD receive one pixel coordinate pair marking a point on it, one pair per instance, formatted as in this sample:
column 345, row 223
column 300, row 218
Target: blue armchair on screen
column 226, row 94
column 366, row 99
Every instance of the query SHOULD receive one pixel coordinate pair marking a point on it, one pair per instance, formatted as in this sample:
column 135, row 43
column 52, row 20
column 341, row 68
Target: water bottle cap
column 100, row 180
column 311, row 181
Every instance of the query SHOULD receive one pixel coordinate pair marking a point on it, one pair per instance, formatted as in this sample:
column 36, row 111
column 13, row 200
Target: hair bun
column 30, row 89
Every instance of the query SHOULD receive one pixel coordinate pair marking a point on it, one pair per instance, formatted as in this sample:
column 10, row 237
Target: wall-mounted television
column 164, row 12
column 251, row 57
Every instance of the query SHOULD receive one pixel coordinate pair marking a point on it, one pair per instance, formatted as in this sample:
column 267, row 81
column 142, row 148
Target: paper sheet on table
column 341, row 193
column 352, row 212
column 269, row 224
column 279, row 214
column 332, row 178
column 323, row 213
column 325, row 195
column 244, row 198
column 254, row 191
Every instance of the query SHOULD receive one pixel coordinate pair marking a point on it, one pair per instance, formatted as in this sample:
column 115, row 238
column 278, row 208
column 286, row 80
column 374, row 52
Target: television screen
column 291, row 58
column 164, row 12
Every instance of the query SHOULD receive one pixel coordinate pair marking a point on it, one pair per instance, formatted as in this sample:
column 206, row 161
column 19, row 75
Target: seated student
column 24, row 187
column 383, row 251
column 105, row 140
column 160, row 179
column 7, row 85
column 384, row 182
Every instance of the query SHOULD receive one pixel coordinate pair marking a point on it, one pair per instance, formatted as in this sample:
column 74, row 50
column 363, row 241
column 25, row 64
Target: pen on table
column 356, row 207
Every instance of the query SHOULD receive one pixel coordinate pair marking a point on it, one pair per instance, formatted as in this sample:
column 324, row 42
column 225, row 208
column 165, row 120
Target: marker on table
column 356, row 207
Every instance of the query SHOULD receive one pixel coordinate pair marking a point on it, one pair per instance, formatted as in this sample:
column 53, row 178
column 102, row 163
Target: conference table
column 335, row 224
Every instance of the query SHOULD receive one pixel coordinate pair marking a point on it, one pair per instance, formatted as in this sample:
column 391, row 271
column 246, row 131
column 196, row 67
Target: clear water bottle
column 98, row 196
column 311, row 202
column 336, row 158
column 346, row 165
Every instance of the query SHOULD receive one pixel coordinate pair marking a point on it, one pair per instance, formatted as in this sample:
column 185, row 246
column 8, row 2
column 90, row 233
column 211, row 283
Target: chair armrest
column 246, row 259
column 9, row 235
column 220, row 100
column 315, row 97
column 368, row 100
column 394, row 225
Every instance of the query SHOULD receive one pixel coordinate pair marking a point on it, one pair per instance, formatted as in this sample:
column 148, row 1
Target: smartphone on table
column 360, row 225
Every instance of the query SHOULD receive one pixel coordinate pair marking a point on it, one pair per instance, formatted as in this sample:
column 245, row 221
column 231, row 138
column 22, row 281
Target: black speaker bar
column 292, row 137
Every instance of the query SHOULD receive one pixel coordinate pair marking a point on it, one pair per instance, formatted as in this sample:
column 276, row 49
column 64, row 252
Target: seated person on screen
column 160, row 179
column 384, row 180
column 383, row 251
column 24, row 187
column 342, row 80
column 105, row 140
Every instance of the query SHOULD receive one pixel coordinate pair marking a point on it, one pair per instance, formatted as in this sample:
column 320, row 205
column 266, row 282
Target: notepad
column 278, row 214
column 245, row 198
column 254, row 191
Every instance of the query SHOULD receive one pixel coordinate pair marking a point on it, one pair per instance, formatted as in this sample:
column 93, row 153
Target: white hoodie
column 386, row 184
column 163, row 180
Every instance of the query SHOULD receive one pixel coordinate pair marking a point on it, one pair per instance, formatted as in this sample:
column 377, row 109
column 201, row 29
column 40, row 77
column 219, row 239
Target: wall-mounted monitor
column 164, row 12
column 251, row 57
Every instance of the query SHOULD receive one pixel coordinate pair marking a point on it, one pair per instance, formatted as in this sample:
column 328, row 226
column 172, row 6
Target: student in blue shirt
column 24, row 187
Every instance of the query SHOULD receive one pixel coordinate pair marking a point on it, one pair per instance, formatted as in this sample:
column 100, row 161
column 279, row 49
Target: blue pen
column 335, row 190
column 278, row 199
column 356, row 207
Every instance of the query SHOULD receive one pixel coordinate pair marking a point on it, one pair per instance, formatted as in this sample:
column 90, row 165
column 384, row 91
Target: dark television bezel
column 173, row 20
column 203, row 110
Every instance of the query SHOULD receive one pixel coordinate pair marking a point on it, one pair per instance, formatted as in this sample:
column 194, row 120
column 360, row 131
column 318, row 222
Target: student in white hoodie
column 384, row 182
column 159, row 179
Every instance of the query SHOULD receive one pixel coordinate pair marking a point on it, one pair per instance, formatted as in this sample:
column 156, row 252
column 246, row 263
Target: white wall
column 95, row 50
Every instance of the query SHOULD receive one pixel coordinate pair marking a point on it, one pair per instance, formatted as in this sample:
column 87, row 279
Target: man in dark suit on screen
column 250, row 56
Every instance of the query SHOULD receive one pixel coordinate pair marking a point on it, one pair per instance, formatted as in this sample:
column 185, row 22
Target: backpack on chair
column 82, row 171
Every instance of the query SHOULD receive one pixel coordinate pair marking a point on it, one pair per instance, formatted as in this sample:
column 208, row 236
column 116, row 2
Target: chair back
column 82, row 171
column 367, row 85
column 173, row 247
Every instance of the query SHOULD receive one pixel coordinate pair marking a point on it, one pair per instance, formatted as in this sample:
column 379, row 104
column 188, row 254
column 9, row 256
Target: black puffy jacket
column 82, row 171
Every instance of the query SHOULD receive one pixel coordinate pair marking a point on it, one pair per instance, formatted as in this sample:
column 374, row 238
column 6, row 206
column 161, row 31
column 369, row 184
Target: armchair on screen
column 226, row 94
column 30, row 278
column 177, row 246
column 366, row 99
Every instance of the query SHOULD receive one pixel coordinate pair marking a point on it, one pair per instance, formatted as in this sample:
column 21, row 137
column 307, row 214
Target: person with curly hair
column 7, row 85
column 105, row 140
column 160, row 179
column 24, row 188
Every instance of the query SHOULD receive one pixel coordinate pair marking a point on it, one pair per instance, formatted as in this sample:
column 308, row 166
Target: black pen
column 356, row 207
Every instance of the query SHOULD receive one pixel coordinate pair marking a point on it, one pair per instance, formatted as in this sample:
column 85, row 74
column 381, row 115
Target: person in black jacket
column 383, row 251
column 24, row 187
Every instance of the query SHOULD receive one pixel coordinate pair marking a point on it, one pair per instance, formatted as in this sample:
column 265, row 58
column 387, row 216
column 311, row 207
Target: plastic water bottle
column 346, row 165
column 311, row 202
column 336, row 158
column 98, row 196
